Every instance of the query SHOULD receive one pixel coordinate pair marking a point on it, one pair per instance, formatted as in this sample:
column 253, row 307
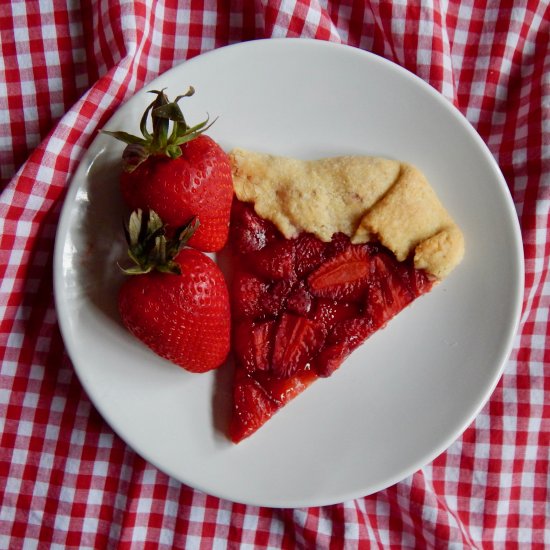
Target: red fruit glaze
column 248, row 293
column 319, row 302
column 297, row 341
column 249, row 232
column 299, row 300
column 343, row 275
column 183, row 318
column 282, row 390
column 310, row 253
column 274, row 262
column 253, row 344
column 198, row 183
column 329, row 312
column 274, row 300
column 389, row 291
column 252, row 407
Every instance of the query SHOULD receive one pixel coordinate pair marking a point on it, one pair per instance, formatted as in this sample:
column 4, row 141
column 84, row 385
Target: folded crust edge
column 398, row 207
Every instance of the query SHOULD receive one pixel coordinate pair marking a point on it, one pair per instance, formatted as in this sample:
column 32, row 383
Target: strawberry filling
column 301, row 306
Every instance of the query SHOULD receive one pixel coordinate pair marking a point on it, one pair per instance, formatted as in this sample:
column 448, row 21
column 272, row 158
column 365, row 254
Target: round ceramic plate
column 399, row 400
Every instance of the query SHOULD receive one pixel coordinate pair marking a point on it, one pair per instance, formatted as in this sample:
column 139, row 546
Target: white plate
column 404, row 396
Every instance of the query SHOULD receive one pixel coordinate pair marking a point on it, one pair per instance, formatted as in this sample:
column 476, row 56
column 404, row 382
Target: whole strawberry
column 178, row 173
column 176, row 300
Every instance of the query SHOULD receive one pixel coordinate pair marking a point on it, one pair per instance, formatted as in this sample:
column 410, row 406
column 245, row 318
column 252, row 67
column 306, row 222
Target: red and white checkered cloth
column 65, row 479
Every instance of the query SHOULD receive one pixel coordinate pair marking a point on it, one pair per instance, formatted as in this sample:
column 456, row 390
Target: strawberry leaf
column 155, row 223
column 143, row 123
column 148, row 247
column 136, row 270
column 190, row 91
column 170, row 267
column 173, row 151
column 181, row 236
column 193, row 131
column 160, row 124
column 170, row 111
column 126, row 137
column 162, row 140
column 133, row 155
column 134, row 228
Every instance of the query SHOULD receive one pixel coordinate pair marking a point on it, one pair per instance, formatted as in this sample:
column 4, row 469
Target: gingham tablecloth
column 66, row 480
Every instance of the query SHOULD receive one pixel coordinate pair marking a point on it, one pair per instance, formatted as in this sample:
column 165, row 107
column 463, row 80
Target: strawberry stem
column 148, row 247
column 162, row 140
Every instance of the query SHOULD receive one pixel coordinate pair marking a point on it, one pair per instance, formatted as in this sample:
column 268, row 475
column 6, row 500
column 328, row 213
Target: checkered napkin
column 65, row 479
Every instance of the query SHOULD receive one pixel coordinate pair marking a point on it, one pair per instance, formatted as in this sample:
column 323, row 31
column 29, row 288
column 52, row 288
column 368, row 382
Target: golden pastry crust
column 367, row 198
column 323, row 196
column 410, row 219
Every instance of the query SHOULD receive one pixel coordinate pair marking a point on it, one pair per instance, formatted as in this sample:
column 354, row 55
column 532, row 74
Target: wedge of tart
column 326, row 252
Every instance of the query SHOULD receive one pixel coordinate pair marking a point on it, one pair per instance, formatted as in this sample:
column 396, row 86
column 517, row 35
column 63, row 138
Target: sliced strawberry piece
column 275, row 262
column 274, row 300
column 282, row 390
column 329, row 312
column 338, row 243
column 248, row 292
column 346, row 336
column 251, row 408
column 310, row 253
column 249, row 232
column 343, row 276
column 388, row 291
column 300, row 300
column 252, row 344
column 330, row 359
column 352, row 332
column 297, row 340
column 417, row 280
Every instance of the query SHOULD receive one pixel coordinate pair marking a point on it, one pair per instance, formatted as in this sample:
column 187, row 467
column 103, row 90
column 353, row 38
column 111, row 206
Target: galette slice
column 325, row 253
